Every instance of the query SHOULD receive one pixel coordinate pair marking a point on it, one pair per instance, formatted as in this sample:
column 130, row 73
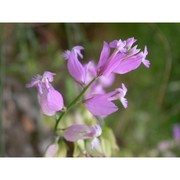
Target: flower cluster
column 124, row 58
column 49, row 99
column 116, row 57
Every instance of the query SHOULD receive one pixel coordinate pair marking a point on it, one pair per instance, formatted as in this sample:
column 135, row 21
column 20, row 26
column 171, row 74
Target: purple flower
column 124, row 58
column 176, row 131
column 49, row 99
column 75, row 68
column 132, row 63
column 79, row 131
column 102, row 105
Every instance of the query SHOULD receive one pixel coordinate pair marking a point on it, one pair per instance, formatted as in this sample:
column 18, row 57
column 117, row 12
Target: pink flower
column 75, row 68
column 102, row 105
column 124, row 58
column 50, row 100
column 79, row 131
column 132, row 63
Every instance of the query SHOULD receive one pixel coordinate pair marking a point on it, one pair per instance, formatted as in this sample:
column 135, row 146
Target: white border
column 89, row 11
column 90, row 168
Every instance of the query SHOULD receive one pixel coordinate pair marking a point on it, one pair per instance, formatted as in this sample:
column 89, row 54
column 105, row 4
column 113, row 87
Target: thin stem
column 73, row 103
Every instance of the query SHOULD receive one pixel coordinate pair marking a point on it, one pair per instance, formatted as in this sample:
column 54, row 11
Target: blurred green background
column 145, row 128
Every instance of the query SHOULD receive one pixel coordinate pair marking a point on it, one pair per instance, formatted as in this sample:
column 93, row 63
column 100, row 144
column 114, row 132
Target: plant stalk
column 73, row 103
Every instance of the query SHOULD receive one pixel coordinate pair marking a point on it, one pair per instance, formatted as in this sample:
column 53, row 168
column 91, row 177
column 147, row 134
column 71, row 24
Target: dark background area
column 145, row 128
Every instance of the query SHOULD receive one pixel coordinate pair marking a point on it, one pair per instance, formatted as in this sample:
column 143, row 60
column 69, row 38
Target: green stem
column 73, row 103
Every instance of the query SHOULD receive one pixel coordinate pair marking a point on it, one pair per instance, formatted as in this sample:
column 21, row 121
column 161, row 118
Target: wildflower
column 102, row 105
column 79, row 131
column 124, row 59
column 132, row 63
column 75, row 68
column 176, row 132
column 49, row 99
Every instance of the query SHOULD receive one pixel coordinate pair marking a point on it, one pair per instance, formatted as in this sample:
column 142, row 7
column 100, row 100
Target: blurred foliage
column 153, row 94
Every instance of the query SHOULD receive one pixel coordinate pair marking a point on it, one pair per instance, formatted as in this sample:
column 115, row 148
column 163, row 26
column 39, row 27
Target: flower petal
column 100, row 106
column 55, row 100
column 76, row 132
column 104, row 55
column 76, row 69
column 128, row 65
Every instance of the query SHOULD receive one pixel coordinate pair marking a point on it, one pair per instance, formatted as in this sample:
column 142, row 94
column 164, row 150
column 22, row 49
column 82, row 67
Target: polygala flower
column 124, row 58
column 50, row 100
column 75, row 68
column 80, row 131
column 102, row 105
